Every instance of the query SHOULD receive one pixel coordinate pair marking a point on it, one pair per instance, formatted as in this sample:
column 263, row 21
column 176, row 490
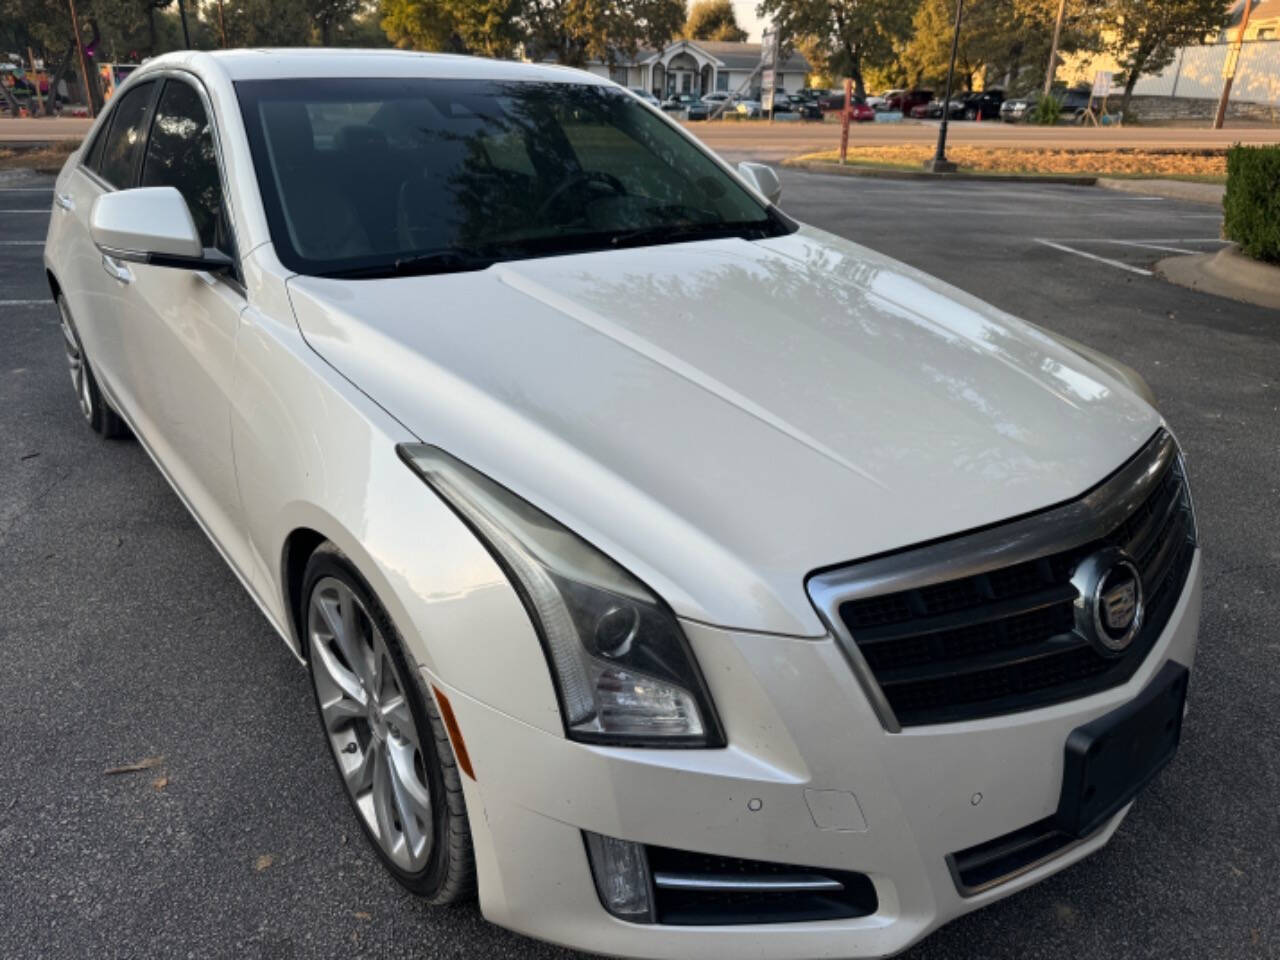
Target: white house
column 699, row 67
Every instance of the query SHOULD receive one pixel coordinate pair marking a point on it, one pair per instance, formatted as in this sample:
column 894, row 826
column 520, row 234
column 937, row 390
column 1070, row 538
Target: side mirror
column 763, row 178
column 151, row 225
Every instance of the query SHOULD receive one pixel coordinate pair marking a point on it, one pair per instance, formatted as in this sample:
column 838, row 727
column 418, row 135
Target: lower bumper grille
column 695, row 888
column 987, row 864
column 988, row 623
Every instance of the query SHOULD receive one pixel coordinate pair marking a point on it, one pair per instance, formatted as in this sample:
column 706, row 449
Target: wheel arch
column 55, row 288
column 299, row 545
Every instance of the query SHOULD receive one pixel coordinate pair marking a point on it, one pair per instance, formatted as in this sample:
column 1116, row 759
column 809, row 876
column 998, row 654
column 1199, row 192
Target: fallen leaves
column 159, row 783
column 1151, row 163
column 264, row 860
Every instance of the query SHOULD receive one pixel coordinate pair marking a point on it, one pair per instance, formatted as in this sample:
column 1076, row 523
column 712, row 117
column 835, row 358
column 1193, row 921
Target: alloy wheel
column 76, row 363
column 370, row 724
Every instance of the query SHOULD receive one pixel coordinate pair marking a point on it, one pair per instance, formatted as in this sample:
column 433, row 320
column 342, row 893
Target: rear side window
column 180, row 153
column 124, row 139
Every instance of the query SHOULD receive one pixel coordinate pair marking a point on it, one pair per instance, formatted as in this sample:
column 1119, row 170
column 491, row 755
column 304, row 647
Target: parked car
column 688, row 104
column 903, row 101
column 646, row 96
column 1074, row 104
column 806, row 108
column 881, row 102
column 679, row 579
column 861, row 113
column 985, row 103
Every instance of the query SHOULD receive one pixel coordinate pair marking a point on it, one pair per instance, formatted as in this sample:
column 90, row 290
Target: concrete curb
column 1211, row 193
column 1226, row 273
column 853, row 170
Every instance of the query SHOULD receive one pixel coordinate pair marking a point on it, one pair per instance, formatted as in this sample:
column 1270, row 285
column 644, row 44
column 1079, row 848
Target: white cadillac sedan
column 686, row 581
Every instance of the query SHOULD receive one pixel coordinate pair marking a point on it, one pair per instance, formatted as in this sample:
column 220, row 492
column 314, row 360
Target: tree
column 1144, row 36
column 329, row 16
column 267, row 23
column 485, row 27
column 713, row 20
column 857, row 33
column 574, row 32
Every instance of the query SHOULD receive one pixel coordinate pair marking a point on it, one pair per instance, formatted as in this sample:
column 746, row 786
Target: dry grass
column 46, row 159
column 1188, row 164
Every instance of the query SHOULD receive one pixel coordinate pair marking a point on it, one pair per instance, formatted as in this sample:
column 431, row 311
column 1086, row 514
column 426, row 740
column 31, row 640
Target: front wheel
column 390, row 747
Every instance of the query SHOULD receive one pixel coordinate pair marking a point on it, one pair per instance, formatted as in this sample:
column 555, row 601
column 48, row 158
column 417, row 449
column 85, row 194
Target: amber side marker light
column 455, row 734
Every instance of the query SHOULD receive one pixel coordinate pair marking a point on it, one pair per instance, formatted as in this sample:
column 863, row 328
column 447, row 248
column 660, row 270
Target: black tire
column 93, row 406
column 449, row 874
column 971, row 114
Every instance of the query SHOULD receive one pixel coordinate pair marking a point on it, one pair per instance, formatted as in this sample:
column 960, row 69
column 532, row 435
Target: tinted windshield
column 373, row 177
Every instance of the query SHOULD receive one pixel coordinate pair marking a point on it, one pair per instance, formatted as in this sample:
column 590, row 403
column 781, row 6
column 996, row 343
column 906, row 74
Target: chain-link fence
column 1190, row 87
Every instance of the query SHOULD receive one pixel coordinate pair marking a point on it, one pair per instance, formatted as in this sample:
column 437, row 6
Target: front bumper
column 798, row 724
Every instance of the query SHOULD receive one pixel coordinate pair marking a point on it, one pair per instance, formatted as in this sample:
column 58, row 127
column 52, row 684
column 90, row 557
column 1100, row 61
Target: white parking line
column 26, row 189
column 1093, row 256
column 1148, row 246
column 24, row 303
column 38, row 210
column 1142, row 240
column 19, row 243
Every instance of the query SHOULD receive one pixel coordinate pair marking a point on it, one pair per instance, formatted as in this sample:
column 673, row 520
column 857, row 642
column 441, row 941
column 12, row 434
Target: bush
column 1251, row 206
column 1047, row 111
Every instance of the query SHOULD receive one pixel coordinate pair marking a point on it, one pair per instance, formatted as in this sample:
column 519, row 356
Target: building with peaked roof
column 699, row 67
column 1264, row 20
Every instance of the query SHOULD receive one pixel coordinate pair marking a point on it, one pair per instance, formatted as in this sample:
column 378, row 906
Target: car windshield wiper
column 420, row 264
column 675, row 233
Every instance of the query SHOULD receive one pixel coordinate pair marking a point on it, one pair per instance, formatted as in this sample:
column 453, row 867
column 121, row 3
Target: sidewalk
column 33, row 130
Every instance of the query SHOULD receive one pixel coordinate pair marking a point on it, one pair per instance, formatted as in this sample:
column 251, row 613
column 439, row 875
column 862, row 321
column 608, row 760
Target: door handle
column 65, row 200
column 116, row 270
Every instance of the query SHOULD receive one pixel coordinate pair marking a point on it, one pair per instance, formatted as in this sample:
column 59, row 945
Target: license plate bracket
column 1110, row 759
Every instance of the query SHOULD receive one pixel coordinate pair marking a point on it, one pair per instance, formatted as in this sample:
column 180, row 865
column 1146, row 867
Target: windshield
column 379, row 177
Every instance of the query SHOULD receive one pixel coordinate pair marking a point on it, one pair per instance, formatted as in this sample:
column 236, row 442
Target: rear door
column 181, row 325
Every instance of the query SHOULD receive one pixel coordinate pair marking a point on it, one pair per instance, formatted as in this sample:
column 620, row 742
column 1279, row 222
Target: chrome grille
column 982, row 624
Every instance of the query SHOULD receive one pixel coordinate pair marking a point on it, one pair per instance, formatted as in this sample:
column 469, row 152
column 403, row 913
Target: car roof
column 316, row 63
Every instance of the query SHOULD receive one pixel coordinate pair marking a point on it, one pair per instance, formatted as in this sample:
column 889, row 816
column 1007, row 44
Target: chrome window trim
column 1067, row 525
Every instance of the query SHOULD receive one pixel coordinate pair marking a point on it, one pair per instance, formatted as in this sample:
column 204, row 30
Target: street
column 127, row 637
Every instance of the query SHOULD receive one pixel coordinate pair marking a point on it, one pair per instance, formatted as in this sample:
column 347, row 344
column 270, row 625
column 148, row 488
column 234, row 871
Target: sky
column 747, row 19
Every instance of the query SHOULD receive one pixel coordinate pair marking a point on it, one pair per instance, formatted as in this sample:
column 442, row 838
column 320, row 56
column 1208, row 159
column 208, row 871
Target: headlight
column 623, row 669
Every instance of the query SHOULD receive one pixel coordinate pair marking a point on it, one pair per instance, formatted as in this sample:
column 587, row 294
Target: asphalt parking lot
column 125, row 637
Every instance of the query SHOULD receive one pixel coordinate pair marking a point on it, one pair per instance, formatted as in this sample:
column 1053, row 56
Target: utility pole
column 186, row 35
column 1229, row 72
column 84, row 61
column 1052, row 70
column 940, row 163
column 222, row 25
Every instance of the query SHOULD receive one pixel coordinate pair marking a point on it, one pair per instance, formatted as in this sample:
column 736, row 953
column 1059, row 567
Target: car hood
column 724, row 417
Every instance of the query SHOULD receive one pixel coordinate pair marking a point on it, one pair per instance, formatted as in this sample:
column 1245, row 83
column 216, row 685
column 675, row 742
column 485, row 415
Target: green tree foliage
column 1144, row 35
column 1002, row 42
column 485, row 27
column 574, row 32
column 571, row 32
column 857, row 34
column 713, row 20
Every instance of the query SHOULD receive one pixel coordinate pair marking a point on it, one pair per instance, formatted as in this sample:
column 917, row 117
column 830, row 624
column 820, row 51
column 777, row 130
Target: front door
column 181, row 325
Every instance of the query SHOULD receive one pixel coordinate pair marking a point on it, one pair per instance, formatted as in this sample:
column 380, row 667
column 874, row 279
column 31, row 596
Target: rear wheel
column 93, row 408
column 390, row 747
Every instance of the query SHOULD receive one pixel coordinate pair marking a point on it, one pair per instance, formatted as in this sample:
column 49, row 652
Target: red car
column 907, row 99
column 859, row 112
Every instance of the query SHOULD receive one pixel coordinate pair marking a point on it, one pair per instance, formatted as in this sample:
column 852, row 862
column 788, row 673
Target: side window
column 93, row 155
column 124, row 139
column 180, row 153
